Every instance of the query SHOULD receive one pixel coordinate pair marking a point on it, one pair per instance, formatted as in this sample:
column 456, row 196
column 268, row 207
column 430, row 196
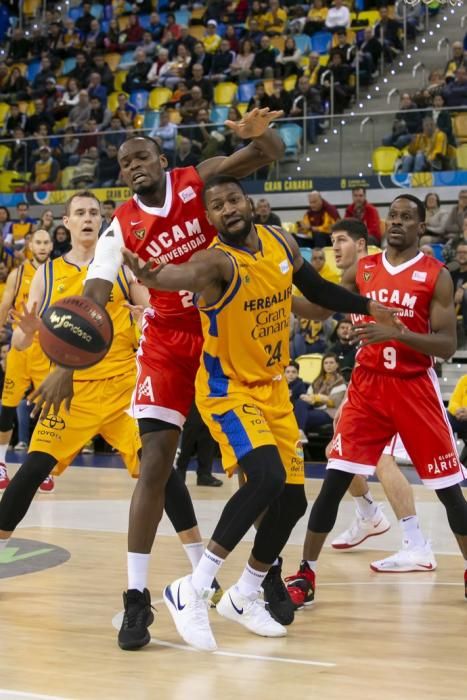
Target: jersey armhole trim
column 278, row 235
column 48, row 284
column 231, row 290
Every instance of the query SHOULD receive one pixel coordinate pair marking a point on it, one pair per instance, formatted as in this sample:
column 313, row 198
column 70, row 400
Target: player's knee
column 264, row 471
column 324, row 512
column 7, row 418
column 294, row 502
column 456, row 508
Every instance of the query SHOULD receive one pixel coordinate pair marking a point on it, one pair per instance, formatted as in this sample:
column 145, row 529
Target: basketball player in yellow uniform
column 244, row 286
column 23, row 369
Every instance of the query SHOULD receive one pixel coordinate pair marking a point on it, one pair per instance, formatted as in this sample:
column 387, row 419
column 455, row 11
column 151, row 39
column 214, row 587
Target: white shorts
column 396, row 449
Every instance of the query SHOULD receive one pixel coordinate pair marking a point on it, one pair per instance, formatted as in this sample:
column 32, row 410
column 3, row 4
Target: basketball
column 75, row 332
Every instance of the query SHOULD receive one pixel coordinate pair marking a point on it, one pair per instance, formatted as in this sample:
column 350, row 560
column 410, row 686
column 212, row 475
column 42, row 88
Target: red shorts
column 167, row 363
column 378, row 406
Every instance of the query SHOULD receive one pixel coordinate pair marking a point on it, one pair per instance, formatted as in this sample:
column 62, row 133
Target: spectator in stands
column 61, row 241
column 108, row 210
column 16, row 86
column 342, row 89
column 316, row 18
column 46, row 71
column 442, row 119
column 137, row 78
column 310, row 337
column 116, row 134
column 191, row 104
column 413, row 14
column 185, row 155
column 364, row 211
column 427, row 151
column 212, row 40
column 185, row 40
column 232, row 142
column 343, row 348
column 82, row 70
column 455, row 92
column 156, row 27
column 46, row 221
column 288, row 60
column 83, row 23
column 241, row 67
column 231, row 37
column 108, row 169
column 133, row 33
column 166, row 135
column 18, row 49
column 149, row 46
column 435, row 82
column 39, row 117
column 200, row 56
column 254, row 33
column 85, row 170
column 260, row 99
column 338, row 17
column 389, row 32
column 100, row 113
column 435, row 220
column 45, row 171
column 205, row 139
column 172, row 32
column 161, row 69
column 317, row 221
column 306, row 104
column 318, row 406
column 455, row 62
column 274, row 21
column 280, row 99
column 264, row 215
column 100, row 66
column 196, row 440
column 340, row 45
column 95, row 38
column 125, row 111
column 296, row 385
column 37, row 42
column 265, row 59
column 81, row 113
column 19, row 151
column 322, row 267
column 15, row 119
column 70, row 97
column 69, row 148
column 112, row 40
column 314, row 69
column 457, row 412
column 70, row 40
column 370, row 46
column 15, row 232
column 454, row 225
column 200, row 81
column 96, row 89
column 459, row 280
column 427, row 249
column 407, row 122
column 221, row 63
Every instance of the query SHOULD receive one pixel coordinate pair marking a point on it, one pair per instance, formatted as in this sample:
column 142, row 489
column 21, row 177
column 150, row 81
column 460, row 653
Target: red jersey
column 170, row 234
column 408, row 287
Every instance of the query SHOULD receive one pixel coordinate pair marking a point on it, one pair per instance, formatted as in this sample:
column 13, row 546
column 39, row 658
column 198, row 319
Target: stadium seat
column 144, row 21
column 291, row 134
column 120, row 77
column 69, row 64
column 151, row 119
column 197, row 31
column 268, row 86
column 10, row 180
column 139, row 99
column 290, row 82
column 384, row 159
column 123, row 23
column 302, row 42
column 225, row 93
column 246, row 91
column 182, row 17
column 112, row 60
column 321, row 41
column 26, row 107
column 278, row 42
column 330, row 259
column 22, row 67
column 105, row 24
column 438, row 251
column 174, row 116
column 198, row 13
column 67, row 176
column 310, row 366
column 4, row 110
column 33, row 69
column 371, row 15
column 158, row 97
column 462, row 157
column 242, row 107
column 75, row 13
column 460, row 127
column 219, row 115
column 112, row 100
column 31, row 7
column 5, row 154
column 97, row 10
column 127, row 59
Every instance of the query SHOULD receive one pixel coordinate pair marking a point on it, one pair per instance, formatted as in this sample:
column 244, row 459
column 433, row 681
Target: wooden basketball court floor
column 384, row 636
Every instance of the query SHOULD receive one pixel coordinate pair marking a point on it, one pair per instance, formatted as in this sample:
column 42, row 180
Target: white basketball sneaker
column 250, row 612
column 361, row 529
column 190, row 613
column 419, row 559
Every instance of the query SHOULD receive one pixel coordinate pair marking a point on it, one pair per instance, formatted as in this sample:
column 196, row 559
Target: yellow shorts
column 23, row 368
column 98, row 407
column 250, row 417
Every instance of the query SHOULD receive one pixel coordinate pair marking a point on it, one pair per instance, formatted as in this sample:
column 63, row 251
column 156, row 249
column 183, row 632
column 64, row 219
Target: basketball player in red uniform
column 165, row 220
column 394, row 388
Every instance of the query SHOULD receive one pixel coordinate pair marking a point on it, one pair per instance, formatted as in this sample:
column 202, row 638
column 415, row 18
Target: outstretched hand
column 28, row 321
column 145, row 272
column 254, row 123
column 371, row 333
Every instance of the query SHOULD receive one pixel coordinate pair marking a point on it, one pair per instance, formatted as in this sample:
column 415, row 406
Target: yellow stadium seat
column 112, row 100
column 242, row 107
column 26, row 107
column 224, row 93
column 174, row 116
column 462, row 157
column 67, row 176
column 290, row 82
column 384, row 159
column 62, row 80
column 197, row 32
column 310, row 366
column 268, row 86
column 5, row 154
column 278, row 42
column 460, row 127
column 4, row 109
column 350, row 36
column 198, row 13
column 333, row 272
column 158, row 97
column 112, row 60
column 371, row 15
column 10, row 180
column 31, row 7
column 324, row 59
column 60, row 125
column 123, row 22
column 120, row 77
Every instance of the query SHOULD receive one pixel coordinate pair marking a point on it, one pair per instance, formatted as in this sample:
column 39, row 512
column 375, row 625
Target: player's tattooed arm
column 266, row 146
column 208, row 273
column 441, row 342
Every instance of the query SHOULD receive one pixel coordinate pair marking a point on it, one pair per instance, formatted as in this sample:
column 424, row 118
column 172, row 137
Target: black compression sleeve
column 327, row 294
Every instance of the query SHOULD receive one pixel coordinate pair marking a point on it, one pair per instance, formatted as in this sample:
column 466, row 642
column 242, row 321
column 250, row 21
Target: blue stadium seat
column 303, row 43
column 75, row 13
column 33, row 69
column 108, row 12
column 246, row 91
column 139, row 98
column 97, row 10
column 438, row 251
column 68, row 64
column 127, row 59
column 219, row 114
column 183, row 17
column 105, row 23
column 321, row 41
column 291, row 135
column 144, row 21
column 151, row 119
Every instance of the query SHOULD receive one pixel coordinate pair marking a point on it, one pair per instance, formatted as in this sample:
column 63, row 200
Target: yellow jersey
column 64, row 279
column 246, row 332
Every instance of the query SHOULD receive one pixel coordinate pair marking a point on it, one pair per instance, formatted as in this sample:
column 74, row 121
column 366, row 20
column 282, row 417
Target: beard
column 238, row 237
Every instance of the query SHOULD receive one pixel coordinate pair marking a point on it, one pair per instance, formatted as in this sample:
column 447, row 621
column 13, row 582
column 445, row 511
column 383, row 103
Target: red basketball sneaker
column 301, row 586
column 48, row 485
column 4, row 480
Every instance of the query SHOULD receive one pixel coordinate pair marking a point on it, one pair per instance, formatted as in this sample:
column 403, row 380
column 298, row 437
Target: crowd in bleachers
column 73, row 86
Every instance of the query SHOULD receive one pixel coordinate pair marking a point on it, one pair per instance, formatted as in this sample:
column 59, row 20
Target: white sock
column 412, row 533
column 250, row 581
column 205, row 571
column 276, row 563
column 194, row 552
column 4, row 543
column 138, row 565
column 3, row 449
column 366, row 507
column 313, row 564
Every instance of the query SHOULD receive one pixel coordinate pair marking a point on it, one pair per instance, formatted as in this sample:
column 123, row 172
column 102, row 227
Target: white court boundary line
column 5, row 693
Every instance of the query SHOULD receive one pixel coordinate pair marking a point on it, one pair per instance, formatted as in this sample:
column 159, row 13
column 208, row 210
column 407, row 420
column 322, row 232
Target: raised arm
column 106, row 264
column 28, row 322
column 8, row 297
column 266, row 147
